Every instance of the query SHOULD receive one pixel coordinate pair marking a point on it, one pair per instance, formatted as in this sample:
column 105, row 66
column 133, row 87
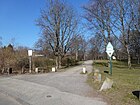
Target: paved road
column 60, row 88
column 6, row 100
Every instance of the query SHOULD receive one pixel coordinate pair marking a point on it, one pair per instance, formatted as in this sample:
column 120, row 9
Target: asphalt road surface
column 59, row 88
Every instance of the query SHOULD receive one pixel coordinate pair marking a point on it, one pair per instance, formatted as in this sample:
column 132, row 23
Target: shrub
column 69, row 62
column 43, row 62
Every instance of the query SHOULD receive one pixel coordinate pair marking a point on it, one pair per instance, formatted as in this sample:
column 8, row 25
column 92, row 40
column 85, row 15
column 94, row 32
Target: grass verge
column 125, row 81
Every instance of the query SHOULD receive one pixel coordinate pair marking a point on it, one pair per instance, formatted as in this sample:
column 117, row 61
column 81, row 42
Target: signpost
column 30, row 52
column 110, row 51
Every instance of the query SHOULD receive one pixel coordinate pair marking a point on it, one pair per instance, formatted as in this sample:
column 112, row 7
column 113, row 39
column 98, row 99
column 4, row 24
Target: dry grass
column 125, row 81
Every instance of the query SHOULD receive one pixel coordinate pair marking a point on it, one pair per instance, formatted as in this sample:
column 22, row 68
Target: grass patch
column 125, row 81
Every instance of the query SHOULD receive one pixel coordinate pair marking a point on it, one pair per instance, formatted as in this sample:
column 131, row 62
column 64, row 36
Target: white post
column 30, row 64
column 84, row 70
column 53, row 69
column 36, row 70
column 30, row 52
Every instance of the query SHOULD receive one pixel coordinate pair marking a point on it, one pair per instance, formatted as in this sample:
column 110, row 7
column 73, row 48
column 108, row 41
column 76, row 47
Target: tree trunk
column 56, row 62
column 59, row 61
column 76, row 55
column 2, row 70
column 84, row 56
column 128, row 57
column 22, row 70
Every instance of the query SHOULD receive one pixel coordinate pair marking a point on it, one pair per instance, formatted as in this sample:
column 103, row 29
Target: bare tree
column 135, row 44
column 7, row 57
column 114, row 18
column 75, row 45
column 58, row 23
column 96, row 43
column 98, row 15
column 125, row 14
column 0, row 41
column 83, row 48
column 22, row 60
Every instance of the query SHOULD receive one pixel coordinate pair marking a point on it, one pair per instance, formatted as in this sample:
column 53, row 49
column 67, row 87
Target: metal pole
column 110, row 66
column 30, row 64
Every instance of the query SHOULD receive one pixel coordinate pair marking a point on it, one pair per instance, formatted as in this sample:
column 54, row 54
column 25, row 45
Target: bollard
column 84, row 70
column 53, row 69
column 36, row 70
column 97, row 76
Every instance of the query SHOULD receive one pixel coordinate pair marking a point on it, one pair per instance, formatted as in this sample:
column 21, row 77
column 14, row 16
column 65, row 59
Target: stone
column 107, row 84
column 97, row 77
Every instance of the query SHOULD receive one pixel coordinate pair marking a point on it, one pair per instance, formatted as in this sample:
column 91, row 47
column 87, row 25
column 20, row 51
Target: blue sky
column 17, row 20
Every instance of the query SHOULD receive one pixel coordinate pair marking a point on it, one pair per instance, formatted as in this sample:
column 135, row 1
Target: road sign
column 109, row 49
column 30, row 52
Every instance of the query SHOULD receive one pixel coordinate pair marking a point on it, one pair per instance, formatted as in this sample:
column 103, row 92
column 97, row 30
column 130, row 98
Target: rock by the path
column 97, row 76
column 107, row 84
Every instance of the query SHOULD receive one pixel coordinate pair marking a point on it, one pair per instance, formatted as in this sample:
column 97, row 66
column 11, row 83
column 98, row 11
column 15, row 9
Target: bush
column 43, row 62
column 69, row 62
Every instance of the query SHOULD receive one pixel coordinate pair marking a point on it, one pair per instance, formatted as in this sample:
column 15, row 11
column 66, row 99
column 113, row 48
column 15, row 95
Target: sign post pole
column 30, row 64
column 110, row 51
column 110, row 66
column 30, row 60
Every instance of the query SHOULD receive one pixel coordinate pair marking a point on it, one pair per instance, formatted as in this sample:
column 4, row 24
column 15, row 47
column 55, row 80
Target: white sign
column 30, row 52
column 39, row 55
column 109, row 49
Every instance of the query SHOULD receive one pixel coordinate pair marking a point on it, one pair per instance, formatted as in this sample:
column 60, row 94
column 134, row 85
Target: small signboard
column 109, row 49
column 30, row 52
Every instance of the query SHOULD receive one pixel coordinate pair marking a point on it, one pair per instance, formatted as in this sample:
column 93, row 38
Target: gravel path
column 60, row 88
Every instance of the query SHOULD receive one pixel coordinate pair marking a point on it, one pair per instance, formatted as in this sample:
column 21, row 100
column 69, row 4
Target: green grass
column 125, row 81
